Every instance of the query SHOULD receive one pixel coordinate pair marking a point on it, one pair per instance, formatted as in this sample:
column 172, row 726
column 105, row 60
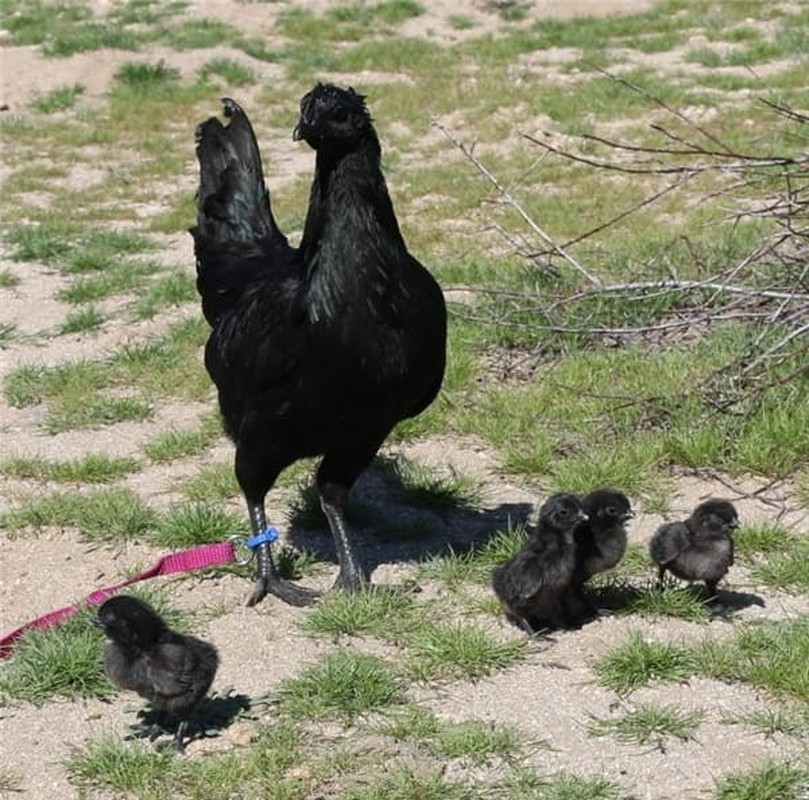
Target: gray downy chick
column 600, row 543
column 700, row 548
column 171, row 670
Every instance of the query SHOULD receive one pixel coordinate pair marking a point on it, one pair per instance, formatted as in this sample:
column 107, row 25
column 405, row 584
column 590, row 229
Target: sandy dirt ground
column 550, row 698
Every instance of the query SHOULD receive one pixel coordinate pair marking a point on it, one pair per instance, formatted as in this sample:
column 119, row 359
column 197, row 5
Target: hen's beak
column 296, row 133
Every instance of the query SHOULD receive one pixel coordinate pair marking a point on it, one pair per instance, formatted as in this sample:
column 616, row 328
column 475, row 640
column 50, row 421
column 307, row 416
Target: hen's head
column 331, row 116
column 130, row 622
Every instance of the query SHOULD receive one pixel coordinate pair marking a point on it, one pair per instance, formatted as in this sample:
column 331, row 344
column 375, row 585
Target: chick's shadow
column 215, row 714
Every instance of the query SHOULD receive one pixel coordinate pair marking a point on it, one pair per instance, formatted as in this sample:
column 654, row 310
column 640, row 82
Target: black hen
column 700, row 548
column 531, row 584
column 171, row 670
column 600, row 542
column 321, row 350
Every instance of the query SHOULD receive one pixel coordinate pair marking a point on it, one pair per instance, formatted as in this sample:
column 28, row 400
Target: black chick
column 699, row 548
column 530, row 585
column 600, row 541
column 320, row 350
column 171, row 670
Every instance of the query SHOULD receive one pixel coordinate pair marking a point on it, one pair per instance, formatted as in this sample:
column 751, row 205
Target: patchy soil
column 550, row 698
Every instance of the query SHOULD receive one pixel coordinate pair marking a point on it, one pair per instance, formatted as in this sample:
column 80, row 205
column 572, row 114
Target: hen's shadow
column 395, row 522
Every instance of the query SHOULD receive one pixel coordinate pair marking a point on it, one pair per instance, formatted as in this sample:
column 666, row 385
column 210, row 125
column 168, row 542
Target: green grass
column 772, row 781
column 65, row 661
column 402, row 783
column 82, row 319
column 788, row 571
column 477, row 741
column 138, row 770
column 670, row 602
column 61, row 662
column 426, row 487
column 176, row 444
column 452, row 650
column 344, row 684
column 456, row 569
column 776, row 719
column 60, row 99
column 375, row 611
column 649, row 724
column 101, row 515
column 769, row 655
column 198, row 523
column 639, row 662
column 91, row 468
column 212, row 483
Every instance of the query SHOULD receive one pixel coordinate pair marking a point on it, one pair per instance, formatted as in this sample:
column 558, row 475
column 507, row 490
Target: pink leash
column 206, row 555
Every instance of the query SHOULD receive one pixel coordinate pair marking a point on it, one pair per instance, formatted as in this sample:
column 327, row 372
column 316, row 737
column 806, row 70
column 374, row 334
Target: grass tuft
column 649, row 724
column 639, row 663
column 344, row 684
column 772, row 781
column 374, row 611
column 447, row 650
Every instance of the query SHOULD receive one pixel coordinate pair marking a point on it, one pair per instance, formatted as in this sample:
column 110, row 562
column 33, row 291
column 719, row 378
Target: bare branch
column 509, row 198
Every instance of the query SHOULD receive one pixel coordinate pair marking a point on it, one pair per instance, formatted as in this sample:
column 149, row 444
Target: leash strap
column 206, row 555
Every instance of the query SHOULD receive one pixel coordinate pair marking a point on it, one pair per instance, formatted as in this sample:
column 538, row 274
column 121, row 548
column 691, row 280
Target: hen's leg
column 255, row 478
column 335, row 476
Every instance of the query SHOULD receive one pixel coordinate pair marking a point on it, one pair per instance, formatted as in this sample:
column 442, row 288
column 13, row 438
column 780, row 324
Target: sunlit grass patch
column 233, row 73
column 214, row 482
column 376, row 611
column 174, row 444
column 648, row 723
column 140, row 770
column 445, row 650
column 102, row 515
column 670, row 601
column 92, row 468
column 770, row 655
column 639, row 662
column 198, row 523
column 788, row 570
column 343, row 684
column 772, row 781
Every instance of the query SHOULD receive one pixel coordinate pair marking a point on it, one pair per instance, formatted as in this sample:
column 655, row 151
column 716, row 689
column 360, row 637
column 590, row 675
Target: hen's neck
column 344, row 183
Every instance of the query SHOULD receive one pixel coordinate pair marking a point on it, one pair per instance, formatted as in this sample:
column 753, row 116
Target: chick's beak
column 96, row 620
column 296, row 132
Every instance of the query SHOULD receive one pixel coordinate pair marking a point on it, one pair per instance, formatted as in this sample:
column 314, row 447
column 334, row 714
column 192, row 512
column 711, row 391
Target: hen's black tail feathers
column 236, row 239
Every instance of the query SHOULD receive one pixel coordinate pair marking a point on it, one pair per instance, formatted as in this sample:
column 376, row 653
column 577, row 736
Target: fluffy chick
column 700, row 548
column 171, row 670
column 531, row 583
column 600, row 543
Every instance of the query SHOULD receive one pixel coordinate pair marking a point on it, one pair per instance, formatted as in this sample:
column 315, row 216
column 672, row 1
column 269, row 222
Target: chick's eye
column 341, row 114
